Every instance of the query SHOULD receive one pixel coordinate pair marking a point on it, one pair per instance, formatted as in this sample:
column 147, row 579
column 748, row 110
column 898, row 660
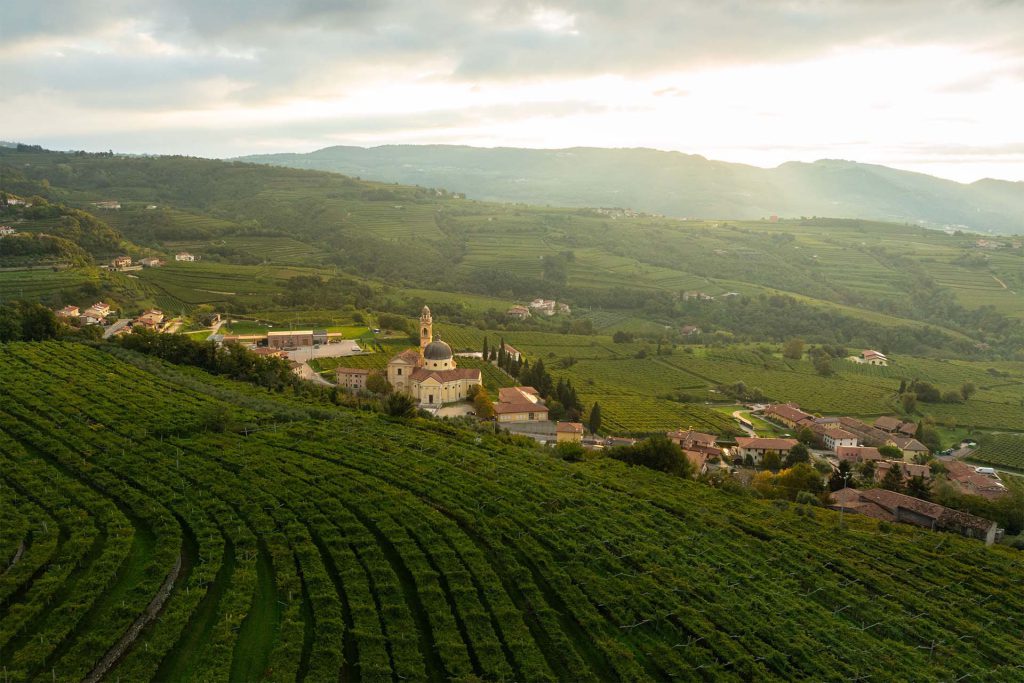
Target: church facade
column 430, row 374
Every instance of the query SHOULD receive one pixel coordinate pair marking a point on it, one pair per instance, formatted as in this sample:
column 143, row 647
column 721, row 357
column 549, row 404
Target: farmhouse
column 894, row 425
column 972, row 482
column 269, row 353
column 896, row 507
column 98, row 310
column 907, row 470
column 121, row 262
column 150, row 319
column 512, row 352
column 835, row 438
column 698, row 459
column 68, row 312
column 353, row 379
column 519, row 404
column 151, row 262
column 289, row 339
column 909, row 446
column 788, row 414
column 6, row 230
column 858, row 454
column 757, row 447
column 519, row 312
column 107, row 204
column 184, row 256
column 869, row 357
column 689, row 330
column 568, row 431
column 430, row 374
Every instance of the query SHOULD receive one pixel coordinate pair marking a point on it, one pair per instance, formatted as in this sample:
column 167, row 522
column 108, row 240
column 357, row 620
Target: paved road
column 116, row 327
column 748, row 430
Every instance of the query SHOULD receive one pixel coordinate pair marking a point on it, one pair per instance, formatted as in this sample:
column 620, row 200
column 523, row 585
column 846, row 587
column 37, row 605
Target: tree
column 793, row 349
column 399, row 404
column 482, row 404
column 893, row 478
column 841, row 478
column 621, row 337
column 656, row 453
column 797, row 453
column 771, row 461
column 594, row 419
column 908, row 401
column 967, row 390
column 486, row 352
column 919, row 488
column 806, row 436
column 570, row 451
column 891, row 452
column 377, row 383
column 823, row 365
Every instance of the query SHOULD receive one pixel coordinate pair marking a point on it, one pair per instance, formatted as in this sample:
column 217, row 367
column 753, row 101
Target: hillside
column 681, row 185
column 277, row 540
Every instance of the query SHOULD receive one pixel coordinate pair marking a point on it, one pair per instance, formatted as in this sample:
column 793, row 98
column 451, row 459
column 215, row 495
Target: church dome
column 437, row 350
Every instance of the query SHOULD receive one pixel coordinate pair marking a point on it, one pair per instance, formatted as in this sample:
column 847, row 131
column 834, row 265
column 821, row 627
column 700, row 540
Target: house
column 512, row 352
column 184, row 256
column 353, row 379
column 896, row 507
column 68, row 312
column 150, row 319
column 544, row 306
column 858, row 454
column 6, row 230
column 691, row 438
column 519, row 312
column 121, row 262
column 107, row 204
column 835, row 438
column 909, row 446
column 699, row 296
column 289, row 339
column 564, row 309
column 894, row 425
column 302, row 370
column 907, row 470
column 319, row 336
column 268, row 353
column 869, row 357
column 688, row 330
column 970, row 481
column 868, row 435
column 98, row 310
column 788, row 414
column 568, row 431
column 757, row 447
column 519, row 404
column 151, row 262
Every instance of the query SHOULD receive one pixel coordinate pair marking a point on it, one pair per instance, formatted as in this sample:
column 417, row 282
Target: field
column 1001, row 450
column 144, row 542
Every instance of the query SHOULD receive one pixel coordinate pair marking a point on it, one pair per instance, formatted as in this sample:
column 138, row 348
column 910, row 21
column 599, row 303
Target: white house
column 836, row 438
column 184, row 256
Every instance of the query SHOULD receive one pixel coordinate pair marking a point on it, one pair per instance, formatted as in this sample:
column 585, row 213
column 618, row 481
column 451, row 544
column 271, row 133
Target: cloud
column 313, row 71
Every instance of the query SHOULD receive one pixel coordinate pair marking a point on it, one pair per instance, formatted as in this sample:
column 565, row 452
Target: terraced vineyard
column 147, row 539
column 1001, row 450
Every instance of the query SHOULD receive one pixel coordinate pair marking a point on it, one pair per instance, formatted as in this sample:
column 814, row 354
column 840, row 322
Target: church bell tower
column 426, row 329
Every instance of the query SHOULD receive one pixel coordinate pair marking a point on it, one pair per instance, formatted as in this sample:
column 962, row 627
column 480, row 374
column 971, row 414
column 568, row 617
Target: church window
column 399, row 371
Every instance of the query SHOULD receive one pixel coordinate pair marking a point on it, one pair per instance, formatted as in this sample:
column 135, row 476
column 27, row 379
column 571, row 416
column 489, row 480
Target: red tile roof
column 765, row 443
column 569, row 427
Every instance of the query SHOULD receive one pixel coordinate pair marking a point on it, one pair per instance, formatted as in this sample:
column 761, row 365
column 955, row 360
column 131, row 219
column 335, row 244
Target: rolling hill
column 679, row 185
column 165, row 524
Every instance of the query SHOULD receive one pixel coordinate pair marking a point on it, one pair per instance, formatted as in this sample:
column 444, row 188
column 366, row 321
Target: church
column 430, row 374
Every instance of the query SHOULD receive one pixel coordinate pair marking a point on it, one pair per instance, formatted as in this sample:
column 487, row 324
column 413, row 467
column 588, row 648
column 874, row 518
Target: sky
column 935, row 86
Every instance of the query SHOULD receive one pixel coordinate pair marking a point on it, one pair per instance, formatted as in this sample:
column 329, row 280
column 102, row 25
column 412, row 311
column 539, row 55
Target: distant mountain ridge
column 678, row 184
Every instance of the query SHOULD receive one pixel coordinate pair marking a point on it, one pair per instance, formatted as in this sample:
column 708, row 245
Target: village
column 885, row 472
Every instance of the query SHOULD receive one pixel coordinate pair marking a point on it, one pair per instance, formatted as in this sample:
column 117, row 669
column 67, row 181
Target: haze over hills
column 680, row 185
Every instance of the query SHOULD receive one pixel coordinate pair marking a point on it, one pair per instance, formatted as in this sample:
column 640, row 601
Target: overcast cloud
column 936, row 85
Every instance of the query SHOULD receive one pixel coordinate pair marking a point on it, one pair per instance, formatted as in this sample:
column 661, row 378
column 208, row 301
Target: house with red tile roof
column 757, row 447
column 896, row 507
